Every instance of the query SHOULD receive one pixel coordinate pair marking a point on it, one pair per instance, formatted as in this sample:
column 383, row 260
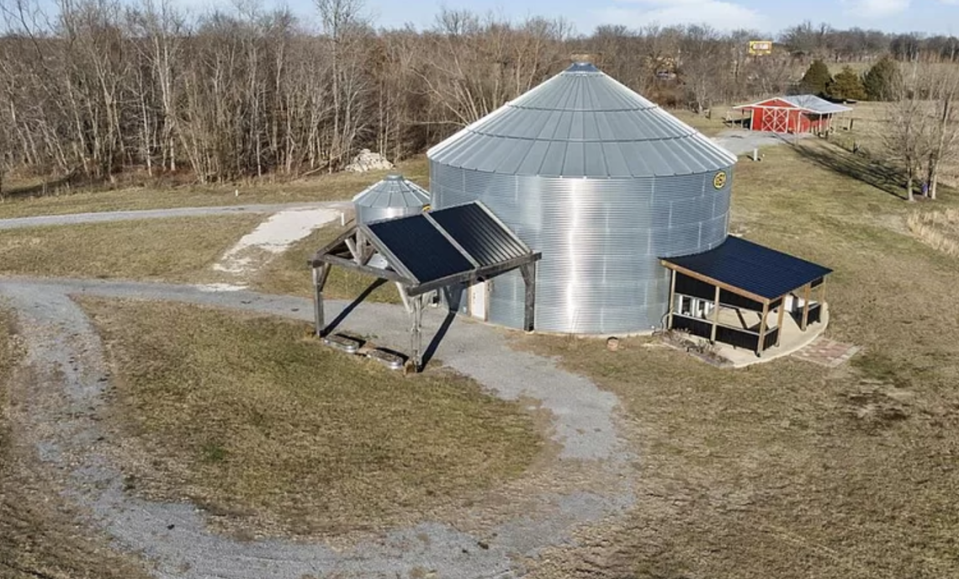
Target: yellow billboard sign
column 760, row 47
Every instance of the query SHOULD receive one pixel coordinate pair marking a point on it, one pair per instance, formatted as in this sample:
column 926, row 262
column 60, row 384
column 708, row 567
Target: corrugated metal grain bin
column 392, row 197
column 603, row 183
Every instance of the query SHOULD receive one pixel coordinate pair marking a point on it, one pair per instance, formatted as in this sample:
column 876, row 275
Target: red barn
column 792, row 114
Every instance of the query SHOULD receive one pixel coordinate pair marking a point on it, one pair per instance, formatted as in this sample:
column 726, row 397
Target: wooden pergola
column 428, row 253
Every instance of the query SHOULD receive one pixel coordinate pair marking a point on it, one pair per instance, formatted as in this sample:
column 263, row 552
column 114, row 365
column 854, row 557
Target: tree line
column 96, row 87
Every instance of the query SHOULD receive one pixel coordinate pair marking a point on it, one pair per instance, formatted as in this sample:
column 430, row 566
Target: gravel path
column 105, row 217
column 65, row 412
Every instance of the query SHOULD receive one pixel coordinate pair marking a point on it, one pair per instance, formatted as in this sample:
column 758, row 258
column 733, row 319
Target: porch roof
column 749, row 269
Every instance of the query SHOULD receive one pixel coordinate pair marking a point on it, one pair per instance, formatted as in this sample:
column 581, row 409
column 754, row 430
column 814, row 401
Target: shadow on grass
column 349, row 309
column 42, row 188
column 437, row 338
column 856, row 166
column 452, row 297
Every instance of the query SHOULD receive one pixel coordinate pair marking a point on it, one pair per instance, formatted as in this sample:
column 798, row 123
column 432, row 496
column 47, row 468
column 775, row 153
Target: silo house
column 392, row 197
column 582, row 208
column 603, row 182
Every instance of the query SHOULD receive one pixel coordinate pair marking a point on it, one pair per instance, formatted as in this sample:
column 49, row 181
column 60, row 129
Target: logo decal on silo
column 719, row 181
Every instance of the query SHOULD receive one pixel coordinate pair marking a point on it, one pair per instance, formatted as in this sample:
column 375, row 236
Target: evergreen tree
column 880, row 82
column 816, row 79
column 847, row 85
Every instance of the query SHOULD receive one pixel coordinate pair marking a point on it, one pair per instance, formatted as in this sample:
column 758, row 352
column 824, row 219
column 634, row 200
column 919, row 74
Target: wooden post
column 404, row 297
column 762, row 330
column 672, row 300
column 320, row 274
column 712, row 336
column 805, row 307
column 529, row 278
column 779, row 321
column 416, row 335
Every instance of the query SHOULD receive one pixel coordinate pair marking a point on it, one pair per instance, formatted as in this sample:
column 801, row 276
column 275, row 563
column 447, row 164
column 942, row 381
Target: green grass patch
column 181, row 249
column 246, row 415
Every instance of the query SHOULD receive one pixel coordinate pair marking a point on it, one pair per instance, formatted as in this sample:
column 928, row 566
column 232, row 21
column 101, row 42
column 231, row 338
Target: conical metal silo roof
column 394, row 191
column 582, row 123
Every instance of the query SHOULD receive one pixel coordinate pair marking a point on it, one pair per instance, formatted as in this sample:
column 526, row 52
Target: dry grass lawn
column 29, row 199
column 938, row 229
column 790, row 470
column 38, row 537
column 181, row 249
column 248, row 417
column 289, row 273
column 709, row 127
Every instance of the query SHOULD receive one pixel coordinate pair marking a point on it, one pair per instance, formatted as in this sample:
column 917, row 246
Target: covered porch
column 747, row 297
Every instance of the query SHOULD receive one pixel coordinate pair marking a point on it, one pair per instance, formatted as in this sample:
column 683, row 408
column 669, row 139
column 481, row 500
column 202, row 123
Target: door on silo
column 479, row 301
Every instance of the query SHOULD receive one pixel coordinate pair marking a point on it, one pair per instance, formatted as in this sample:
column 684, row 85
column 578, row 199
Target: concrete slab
column 828, row 353
column 793, row 340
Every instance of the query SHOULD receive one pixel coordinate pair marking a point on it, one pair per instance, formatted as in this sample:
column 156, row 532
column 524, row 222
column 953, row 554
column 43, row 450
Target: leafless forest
column 96, row 87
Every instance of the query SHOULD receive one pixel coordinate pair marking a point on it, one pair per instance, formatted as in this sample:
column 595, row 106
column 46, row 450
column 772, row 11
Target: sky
column 929, row 16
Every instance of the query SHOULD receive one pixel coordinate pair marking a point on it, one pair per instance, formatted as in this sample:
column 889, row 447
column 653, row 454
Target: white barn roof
column 806, row 102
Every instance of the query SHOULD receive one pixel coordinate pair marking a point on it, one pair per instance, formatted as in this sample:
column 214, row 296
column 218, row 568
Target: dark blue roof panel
column 447, row 242
column 421, row 248
column 486, row 240
column 752, row 267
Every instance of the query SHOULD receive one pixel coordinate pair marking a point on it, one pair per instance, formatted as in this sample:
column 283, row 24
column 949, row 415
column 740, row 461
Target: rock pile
column 368, row 161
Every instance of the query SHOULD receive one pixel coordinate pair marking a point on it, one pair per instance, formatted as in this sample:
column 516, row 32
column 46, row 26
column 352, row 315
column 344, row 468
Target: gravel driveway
column 64, row 418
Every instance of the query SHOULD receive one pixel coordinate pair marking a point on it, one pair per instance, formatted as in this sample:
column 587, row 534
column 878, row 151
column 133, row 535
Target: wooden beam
column 672, row 300
column 779, row 321
column 320, row 275
column 374, row 271
column 404, row 297
column 529, row 278
column 351, row 245
column 329, row 247
column 416, row 333
column 472, row 276
column 762, row 330
column 712, row 335
column 715, row 282
column 805, row 307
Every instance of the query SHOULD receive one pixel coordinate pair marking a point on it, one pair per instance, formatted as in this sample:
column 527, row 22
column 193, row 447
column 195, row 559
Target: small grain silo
column 392, row 197
column 601, row 181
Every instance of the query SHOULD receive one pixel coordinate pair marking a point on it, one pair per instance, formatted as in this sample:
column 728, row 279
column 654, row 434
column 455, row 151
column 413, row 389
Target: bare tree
column 942, row 86
column 703, row 62
column 906, row 138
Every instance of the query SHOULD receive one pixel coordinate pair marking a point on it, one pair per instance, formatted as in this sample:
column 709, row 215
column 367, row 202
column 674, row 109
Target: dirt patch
column 270, row 432
column 273, row 237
